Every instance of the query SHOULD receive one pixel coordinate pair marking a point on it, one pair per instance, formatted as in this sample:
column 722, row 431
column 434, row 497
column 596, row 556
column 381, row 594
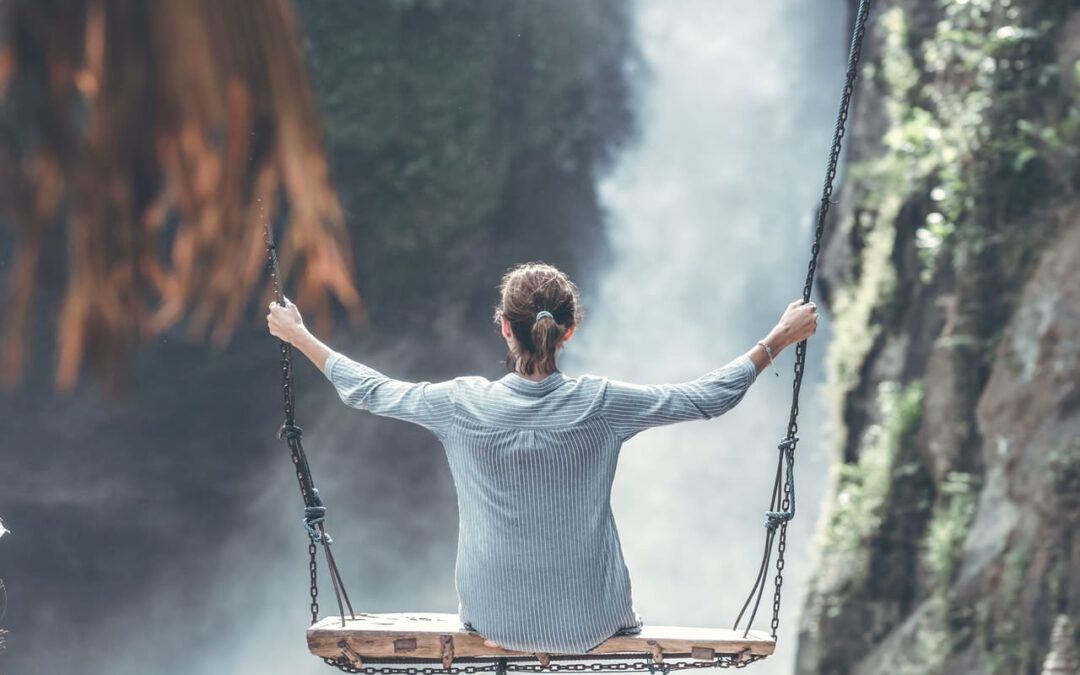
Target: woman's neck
column 535, row 377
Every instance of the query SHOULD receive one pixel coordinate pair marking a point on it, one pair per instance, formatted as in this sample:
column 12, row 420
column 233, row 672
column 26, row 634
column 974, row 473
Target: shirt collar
column 524, row 385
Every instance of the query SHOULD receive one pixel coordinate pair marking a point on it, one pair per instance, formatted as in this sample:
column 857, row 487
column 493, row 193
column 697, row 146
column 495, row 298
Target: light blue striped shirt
column 539, row 564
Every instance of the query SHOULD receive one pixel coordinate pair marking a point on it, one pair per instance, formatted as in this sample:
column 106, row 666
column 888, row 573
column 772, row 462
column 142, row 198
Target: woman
column 533, row 456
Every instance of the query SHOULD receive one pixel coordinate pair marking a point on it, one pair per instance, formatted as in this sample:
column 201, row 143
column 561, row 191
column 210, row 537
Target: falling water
column 163, row 536
column 711, row 218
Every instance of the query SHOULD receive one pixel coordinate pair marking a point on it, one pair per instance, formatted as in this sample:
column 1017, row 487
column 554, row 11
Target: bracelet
column 768, row 352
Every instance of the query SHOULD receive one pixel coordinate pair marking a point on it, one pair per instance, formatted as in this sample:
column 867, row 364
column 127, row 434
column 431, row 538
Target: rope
column 314, row 510
column 782, row 504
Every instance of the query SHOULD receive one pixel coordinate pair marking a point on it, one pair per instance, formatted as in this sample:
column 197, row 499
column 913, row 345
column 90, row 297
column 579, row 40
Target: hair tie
column 542, row 313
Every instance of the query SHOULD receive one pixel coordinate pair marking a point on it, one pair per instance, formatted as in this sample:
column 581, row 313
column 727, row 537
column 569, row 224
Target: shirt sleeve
column 632, row 408
column 424, row 403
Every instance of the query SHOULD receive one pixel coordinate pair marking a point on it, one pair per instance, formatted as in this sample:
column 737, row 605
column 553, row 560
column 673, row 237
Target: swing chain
column 787, row 512
column 610, row 664
column 314, row 511
column 854, row 57
column 784, row 485
column 291, row 434
column 313, row 568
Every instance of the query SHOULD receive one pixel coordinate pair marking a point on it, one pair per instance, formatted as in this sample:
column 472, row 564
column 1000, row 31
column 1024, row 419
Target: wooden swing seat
column 442, row 637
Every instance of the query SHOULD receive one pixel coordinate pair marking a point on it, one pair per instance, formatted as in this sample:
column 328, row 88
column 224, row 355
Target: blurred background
column 668, row 155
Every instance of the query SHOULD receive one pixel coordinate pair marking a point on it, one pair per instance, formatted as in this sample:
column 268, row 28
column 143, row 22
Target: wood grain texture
column 420, row 635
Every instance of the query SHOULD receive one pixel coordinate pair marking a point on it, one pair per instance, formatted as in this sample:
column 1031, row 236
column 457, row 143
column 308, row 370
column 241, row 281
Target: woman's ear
column 569, row 333
column 506, row 331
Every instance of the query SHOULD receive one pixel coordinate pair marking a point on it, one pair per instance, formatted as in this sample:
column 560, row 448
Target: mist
column 162, row 534
column 711, row 221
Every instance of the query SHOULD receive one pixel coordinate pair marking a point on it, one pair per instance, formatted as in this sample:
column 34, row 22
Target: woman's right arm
column 285, row 323
column 632, row 408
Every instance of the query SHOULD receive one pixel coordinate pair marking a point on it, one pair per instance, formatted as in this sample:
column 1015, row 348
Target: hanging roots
column 157, row 137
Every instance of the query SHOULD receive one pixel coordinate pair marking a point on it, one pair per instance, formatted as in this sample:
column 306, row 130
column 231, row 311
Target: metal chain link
column 288, row 405
column 777, row 520
column 314, row 511
column 313, row 567
column 289, row 402
column 788, row 447
column 608, row 665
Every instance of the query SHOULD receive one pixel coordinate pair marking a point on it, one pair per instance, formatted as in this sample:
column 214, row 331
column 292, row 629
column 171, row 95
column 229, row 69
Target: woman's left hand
column 285, row 321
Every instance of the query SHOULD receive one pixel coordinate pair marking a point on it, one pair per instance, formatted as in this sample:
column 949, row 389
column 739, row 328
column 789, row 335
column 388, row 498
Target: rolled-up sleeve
column 431, row 405
column 632, row 408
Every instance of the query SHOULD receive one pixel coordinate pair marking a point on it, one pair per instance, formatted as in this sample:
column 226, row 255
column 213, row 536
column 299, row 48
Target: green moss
column 1064, row 465
column 933, row 645
column 430, row 106
column 981, row 137
column 854, row 331
column 945, row 625
column 949, row 527
column 864, row 486
column 983, row 124
column 898, row 69
column 911, row 133
column 1008, row 651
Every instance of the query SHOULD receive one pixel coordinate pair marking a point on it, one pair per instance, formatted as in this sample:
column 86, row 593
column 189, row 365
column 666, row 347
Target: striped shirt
column 539, row 564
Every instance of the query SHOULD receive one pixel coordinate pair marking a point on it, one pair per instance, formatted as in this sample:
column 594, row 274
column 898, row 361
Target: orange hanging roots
column 161, row 136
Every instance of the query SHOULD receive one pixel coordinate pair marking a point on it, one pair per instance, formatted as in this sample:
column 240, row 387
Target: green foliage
column 982, row 132
column 1064, row 465
column 863, row 488
column 466, row 136
column 933, row 645
column 855, row 330
column 943, row 625
column 899, row 70
column 904, row 411
column 948, row 528
column 431, row 106
column 1008, row 652
column 1016, row 563
column 980, row 126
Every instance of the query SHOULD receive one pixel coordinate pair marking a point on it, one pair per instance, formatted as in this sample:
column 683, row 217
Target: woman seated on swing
column 533, row 456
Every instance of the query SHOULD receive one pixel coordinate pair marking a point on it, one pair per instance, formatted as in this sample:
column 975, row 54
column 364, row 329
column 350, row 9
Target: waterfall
column 163, row 535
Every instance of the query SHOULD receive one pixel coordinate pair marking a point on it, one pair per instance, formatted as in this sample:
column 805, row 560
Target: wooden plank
column 420, row 635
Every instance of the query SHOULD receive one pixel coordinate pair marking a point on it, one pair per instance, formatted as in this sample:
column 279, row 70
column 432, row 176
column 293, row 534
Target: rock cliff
column 951, row 540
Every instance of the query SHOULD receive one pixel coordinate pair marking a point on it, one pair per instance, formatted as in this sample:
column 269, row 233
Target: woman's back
column 539, row 564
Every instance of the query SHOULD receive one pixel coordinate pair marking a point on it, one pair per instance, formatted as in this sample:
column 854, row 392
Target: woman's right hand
column 798, row 323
